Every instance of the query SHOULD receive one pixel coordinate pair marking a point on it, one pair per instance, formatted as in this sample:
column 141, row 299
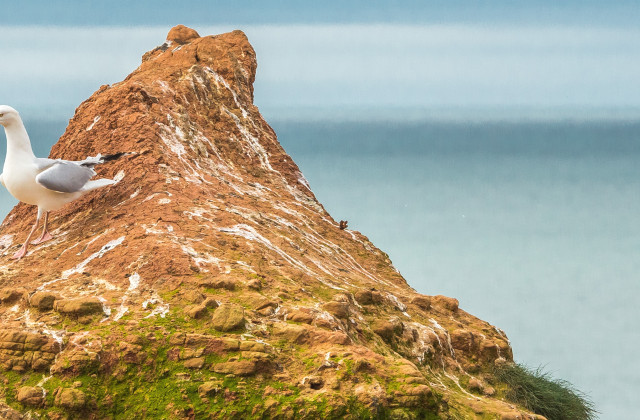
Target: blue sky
column 348, row 60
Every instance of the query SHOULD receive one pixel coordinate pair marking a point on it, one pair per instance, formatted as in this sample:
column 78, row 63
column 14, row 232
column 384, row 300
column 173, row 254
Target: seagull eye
column 1, row 115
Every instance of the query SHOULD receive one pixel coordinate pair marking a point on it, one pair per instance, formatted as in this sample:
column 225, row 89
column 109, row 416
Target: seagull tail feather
column 98, row 183
column 92, row 161
column 115, row 156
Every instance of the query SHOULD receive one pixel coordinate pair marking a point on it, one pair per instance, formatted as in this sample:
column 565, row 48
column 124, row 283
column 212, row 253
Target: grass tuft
column 537, row 391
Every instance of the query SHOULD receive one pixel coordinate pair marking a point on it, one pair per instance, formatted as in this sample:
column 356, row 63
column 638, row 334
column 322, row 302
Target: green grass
column 538, row 392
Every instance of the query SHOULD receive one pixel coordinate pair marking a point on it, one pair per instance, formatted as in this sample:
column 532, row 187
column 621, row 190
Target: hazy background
column 491, row 148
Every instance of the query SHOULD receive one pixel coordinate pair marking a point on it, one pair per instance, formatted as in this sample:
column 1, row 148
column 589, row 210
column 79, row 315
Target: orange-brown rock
column 181, row 34
column 304, row 315
column 211, row 261
column 446, row 302
column 42, row 300
column 80, row 306
column 196, row 311
column 31, row 395
column 291, row 332
column 239, row 368
column 71, row 399
column 422, row 301
column 22, row 351
column 10, row 295
column 228, row 317
column 384, row 329
column 364, row 297
column 337, row 309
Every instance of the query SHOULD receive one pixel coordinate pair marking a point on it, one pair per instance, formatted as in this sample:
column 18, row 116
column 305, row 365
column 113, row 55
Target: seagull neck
column 18, row 142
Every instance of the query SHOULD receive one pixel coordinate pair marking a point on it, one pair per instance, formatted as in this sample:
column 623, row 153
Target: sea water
column 534, row 227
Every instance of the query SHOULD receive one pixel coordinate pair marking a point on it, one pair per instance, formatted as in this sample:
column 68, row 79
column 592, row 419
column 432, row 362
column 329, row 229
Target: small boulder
column 422, row 302
column 80, row 306
column 385, row 329
column 462, row 340
column 9, row 295
column 446, row 302
column 197, row 311
column 479, row 386
column 330, row 337
column 73, row 362
column 211, row 303
column 209, row 389
column 268, row 311
column 388, row 329
column 262, row 302
column 228, row 317
column 227, row 284
column 489, row 350
column 71, row 399
column 181, row 34
column 364, row 297
column 192, row 296
column 42, row 300
column 254, row 346
column 337, row 309
column 31, row 395
column 238, row 368
column 195, row 363
column 304, row 315
column 293, row 333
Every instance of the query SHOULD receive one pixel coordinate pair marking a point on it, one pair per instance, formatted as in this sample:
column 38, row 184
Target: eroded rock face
column 31, row 395
column 228, row 317
column 77, row 307
column 42, row 300
column 24, row 351
column 211, row 264
column 71, row 399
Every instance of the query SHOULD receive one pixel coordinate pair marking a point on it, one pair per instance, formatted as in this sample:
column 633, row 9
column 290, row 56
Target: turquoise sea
column 534, row 227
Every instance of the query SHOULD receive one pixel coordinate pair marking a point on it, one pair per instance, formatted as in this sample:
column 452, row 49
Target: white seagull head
column 8, row 115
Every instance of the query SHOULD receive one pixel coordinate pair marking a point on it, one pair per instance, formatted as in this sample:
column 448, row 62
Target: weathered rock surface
column 10, row 295
column 42, row 300
column 72, row 399
column 31, row 395
column 210, row 276
column 80, row 306
column 228, row 317
column 23, row 351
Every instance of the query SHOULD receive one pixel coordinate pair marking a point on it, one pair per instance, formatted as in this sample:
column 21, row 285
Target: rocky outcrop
column 210, row 283
column 31, row 396
column 22, row 351
column 228, row 317
column 71, row 399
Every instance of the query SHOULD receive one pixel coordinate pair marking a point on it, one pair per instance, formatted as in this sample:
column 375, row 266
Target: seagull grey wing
column 44, row 163
column 65, row 176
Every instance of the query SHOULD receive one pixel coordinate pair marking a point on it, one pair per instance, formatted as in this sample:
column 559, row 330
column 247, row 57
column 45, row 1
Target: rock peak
column 212, row 261
column 181, row 34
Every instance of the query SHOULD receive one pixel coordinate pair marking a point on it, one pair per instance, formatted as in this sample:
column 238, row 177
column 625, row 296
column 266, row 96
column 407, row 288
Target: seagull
column 46, row 183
